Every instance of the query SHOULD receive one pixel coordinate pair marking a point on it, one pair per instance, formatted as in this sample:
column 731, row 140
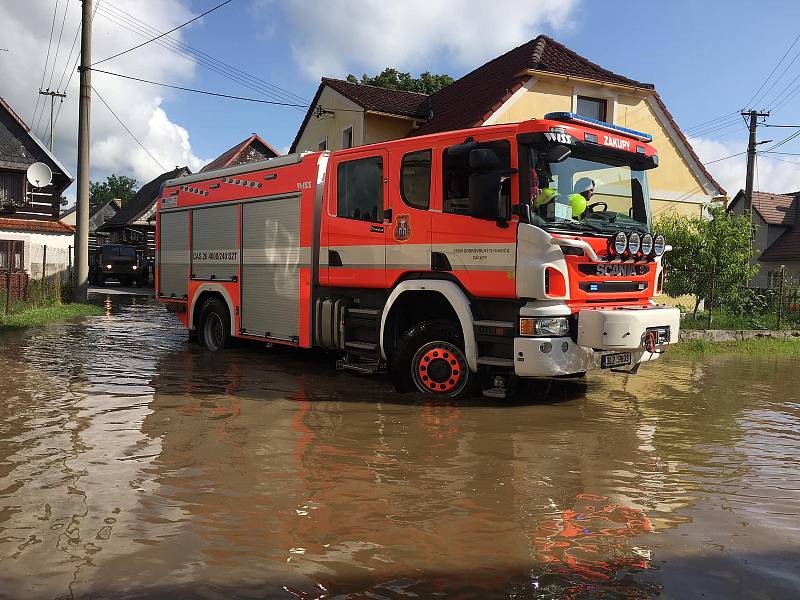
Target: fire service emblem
column 402, row 229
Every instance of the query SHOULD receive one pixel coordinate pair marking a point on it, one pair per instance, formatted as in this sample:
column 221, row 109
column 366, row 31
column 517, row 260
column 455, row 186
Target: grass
column 764, row 346
column 35, row 316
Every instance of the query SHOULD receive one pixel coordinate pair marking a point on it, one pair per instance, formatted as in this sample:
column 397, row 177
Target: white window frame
column 322, row 141
column 601, row 93
column 352, row 138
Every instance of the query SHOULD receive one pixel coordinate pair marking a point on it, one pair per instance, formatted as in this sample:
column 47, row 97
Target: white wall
column 58, row 251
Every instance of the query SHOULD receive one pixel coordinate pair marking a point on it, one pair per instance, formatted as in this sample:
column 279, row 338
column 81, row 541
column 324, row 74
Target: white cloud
column 26, row 33
column 367, row 35
column 772, row 175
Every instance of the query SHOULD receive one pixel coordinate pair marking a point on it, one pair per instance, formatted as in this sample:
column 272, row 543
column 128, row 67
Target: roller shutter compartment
column 270, row 284
column 173, row 254
column 215, row 243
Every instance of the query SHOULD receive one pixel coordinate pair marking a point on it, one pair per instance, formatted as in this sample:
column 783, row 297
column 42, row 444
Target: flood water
column 133, row 465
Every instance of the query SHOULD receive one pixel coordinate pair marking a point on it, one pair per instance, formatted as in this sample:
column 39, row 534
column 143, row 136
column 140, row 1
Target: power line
column 711, row 162
column 69, row 56
column 53, row 70
column 221, row 95
column 198, row 57
column 163, row 168
column 791, row 162
column 218, row 94
column 785, row 140
column 775, row 68
column 46, row 60
column 185, row 49
column 163, row 34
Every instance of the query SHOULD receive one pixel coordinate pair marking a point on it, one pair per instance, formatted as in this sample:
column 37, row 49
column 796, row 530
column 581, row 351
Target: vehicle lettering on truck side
column 303, row 185
column 217, row 256
column 617, row 270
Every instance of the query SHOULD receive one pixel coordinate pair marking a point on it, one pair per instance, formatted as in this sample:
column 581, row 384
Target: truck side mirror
column 484, row 184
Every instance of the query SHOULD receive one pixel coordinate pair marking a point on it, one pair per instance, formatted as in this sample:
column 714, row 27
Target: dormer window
column 594, row 108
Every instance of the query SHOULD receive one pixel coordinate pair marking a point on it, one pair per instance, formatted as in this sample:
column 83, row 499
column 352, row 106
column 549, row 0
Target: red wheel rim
column 439, row 368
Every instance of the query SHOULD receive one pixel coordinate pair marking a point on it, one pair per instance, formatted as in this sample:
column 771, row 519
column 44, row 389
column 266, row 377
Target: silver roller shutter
column 215, row 243
column 270, row 281
column 173, row 254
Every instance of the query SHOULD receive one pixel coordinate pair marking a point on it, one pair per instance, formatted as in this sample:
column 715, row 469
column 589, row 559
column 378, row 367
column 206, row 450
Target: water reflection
column 133, row 465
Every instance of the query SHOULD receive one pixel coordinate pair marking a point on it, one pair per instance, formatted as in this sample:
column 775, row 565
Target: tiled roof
column 370, row 97
column 775, row 209
column 786, row 247
column 229, row 157
column 469, row 101
column 142, row 201
column 35, row 226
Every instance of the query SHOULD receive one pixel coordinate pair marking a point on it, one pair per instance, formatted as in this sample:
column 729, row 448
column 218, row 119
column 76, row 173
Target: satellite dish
column 39, row 175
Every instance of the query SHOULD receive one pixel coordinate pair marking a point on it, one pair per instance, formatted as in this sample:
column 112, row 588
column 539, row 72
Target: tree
column 711, row 258
column 115, row 186
column 390, row 78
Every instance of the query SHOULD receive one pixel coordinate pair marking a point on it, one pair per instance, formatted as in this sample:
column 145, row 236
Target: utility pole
column 751, row 160
column 53, row 96
column 82, row 211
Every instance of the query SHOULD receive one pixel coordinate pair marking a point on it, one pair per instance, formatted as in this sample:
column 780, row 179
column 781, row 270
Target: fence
column 33, row 273
column 766, row 302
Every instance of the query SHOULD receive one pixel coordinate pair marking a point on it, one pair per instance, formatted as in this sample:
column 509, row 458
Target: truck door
column 477, row 251
column 408, row 220
column 356, row 252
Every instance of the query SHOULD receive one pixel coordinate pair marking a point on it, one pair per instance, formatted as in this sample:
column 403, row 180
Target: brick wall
column 19, row 286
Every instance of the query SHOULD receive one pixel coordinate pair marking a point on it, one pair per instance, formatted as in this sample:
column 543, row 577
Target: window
column 347, row 138
column 359, row 189
column 12, row 188
column 415, row 179
column 594, row 108
column 15, row 259
column 456, row 173
column 323, row 145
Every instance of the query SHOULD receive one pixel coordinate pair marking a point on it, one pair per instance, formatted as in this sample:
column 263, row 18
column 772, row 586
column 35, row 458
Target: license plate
column 608, row 361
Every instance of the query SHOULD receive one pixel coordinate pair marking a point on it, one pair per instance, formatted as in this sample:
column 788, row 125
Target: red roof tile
column 35, row 226
column 229, row 157
column 468, row 101
column 370, row 97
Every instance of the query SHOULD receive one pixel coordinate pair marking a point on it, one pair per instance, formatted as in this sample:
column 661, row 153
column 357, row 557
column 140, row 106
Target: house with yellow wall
column 536, row 78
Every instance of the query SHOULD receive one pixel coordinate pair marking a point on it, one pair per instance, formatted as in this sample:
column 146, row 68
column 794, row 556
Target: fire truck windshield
column 586, row 191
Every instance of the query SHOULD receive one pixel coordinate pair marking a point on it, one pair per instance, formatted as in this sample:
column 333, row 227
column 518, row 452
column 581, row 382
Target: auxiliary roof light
column 634, row 243
column 659, row 244
column 647, row 244
column 619, row 242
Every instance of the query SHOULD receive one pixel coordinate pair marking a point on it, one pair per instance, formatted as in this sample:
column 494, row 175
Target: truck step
column 369, row 346
column 496, row 361
column 359, row 365
column 368, row 313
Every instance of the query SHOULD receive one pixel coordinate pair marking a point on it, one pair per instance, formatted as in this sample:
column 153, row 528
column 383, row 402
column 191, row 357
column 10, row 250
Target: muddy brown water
column 133, row 465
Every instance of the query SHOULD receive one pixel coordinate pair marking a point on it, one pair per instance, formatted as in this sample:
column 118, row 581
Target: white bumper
column 600, row 332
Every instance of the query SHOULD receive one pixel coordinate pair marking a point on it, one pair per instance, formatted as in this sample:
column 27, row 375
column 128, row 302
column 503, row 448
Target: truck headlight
column 135, row 267
column 544, row 326
column 108, row 266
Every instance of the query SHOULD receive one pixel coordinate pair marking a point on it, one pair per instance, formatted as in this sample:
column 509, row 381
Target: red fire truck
column 450, row 260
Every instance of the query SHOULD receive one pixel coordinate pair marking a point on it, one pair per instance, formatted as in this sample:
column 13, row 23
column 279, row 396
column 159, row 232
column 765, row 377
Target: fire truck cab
column 451, row 260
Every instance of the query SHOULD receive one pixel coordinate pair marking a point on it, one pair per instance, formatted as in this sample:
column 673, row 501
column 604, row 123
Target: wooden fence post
column 8, row 277
column 781, row 277
column 44, row 262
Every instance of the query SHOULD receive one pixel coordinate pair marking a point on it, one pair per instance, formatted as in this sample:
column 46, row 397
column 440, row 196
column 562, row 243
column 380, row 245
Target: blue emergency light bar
column 569, row 117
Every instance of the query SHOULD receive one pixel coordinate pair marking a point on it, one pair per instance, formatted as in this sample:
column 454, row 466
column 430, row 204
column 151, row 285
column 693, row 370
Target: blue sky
column 706, row 58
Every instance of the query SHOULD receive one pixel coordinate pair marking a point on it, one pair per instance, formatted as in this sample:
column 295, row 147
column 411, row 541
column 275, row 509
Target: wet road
column 133, row 465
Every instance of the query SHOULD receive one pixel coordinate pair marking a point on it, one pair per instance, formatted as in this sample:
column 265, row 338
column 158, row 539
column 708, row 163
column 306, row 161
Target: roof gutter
column 605, row 84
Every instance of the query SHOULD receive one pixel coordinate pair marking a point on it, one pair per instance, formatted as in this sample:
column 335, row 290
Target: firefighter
column 579, row 200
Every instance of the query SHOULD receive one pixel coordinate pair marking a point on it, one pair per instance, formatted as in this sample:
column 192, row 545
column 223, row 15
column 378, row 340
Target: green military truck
column 120, row 262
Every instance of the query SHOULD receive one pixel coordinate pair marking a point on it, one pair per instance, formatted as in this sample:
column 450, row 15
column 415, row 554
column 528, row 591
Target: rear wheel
column 215, row 325
column 430, row 359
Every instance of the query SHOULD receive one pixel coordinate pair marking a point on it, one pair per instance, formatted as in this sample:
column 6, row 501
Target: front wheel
column 215, row 325
column 430, row 358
